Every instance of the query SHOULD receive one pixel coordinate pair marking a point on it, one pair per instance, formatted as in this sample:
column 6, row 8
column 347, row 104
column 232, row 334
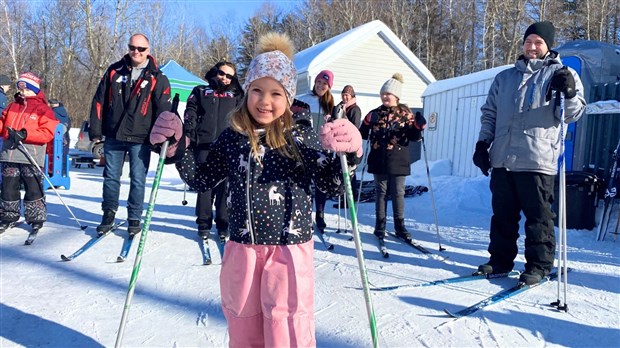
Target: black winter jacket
column 270, row 200
column 206, row 113
column 389, row 133
column 124, row 112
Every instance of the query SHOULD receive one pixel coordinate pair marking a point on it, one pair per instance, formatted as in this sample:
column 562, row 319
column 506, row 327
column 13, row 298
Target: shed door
column 466, row 132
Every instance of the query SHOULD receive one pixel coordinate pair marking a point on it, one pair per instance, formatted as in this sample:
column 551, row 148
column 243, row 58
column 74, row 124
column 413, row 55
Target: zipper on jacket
column 531, row 99
column 248, row 198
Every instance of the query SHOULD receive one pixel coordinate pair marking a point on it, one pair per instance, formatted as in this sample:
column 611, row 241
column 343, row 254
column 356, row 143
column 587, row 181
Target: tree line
column 70, row 43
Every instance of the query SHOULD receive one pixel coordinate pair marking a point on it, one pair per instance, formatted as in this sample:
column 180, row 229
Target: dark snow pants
column 532, row 194
column 204, row 201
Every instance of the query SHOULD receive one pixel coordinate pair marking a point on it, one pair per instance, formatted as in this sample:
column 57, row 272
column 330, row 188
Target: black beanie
column 545, row 29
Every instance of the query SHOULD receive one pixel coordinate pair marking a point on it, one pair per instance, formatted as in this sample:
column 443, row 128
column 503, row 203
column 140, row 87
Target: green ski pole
column 145, row 230
column 358, row 244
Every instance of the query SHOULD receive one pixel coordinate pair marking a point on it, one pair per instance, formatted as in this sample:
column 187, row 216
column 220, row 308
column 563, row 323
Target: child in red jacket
column 26, row 126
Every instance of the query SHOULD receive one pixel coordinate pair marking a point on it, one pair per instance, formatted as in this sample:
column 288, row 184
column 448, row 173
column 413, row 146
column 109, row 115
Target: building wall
column 458, row 124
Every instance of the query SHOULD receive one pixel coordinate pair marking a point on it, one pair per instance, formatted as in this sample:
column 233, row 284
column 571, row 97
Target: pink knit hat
column 327, row 76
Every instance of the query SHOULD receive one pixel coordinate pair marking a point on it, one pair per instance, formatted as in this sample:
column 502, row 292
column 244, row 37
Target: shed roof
column 460, row 81
column 319, row 55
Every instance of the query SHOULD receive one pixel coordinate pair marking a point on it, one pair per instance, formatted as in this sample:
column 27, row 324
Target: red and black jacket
column 124, row 111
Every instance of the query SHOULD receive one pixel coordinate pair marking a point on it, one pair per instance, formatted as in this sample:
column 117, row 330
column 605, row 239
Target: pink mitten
column 341, row 136
column 168, row 126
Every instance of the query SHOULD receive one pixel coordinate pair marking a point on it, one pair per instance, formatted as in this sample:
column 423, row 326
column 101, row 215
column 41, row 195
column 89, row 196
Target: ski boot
column 133, row 228
column 204, row 231
column 107, row 221
column 401, row 231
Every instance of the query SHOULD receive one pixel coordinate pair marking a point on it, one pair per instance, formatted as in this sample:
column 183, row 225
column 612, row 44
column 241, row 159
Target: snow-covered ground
column 45, row 302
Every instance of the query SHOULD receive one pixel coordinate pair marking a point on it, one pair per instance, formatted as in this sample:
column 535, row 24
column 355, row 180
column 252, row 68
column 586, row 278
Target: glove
column 17, row 136
column 564, row 82
column 419, row 121
column 341, row 136
column 168, row 126
column 481, row 157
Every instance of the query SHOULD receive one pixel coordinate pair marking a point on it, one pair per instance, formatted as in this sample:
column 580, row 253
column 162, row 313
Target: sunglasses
column 140, row 49
column 228, row 76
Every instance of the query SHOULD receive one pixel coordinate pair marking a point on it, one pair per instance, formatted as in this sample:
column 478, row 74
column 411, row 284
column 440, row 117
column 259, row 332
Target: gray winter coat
column 523, row 127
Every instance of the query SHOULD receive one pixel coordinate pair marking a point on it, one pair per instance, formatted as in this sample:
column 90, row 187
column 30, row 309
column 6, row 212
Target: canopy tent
column 181, row 81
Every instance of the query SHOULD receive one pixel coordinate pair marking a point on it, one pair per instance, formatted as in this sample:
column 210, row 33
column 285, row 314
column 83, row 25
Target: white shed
column 364, row 57
column 452, row 108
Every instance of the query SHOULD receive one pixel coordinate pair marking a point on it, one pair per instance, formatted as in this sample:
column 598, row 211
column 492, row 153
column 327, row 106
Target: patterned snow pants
column 13, row 176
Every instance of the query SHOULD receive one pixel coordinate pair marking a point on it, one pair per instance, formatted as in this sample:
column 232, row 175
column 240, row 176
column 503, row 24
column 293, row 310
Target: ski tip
column 452, row 315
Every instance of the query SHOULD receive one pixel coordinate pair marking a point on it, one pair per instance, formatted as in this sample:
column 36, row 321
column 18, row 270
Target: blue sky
column 234, row 10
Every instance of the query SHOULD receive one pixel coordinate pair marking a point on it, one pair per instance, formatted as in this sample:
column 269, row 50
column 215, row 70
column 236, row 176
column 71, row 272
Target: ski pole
column 365, row 159
column 339, row 214
column 184, row 201
column 358, row 244
column 430, row 187
column 562, row 248
column 23, row 149
column 145, row 230
column 610, row 195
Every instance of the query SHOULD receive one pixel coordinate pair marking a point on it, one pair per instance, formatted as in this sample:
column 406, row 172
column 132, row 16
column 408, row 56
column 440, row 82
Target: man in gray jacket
column 520, row 123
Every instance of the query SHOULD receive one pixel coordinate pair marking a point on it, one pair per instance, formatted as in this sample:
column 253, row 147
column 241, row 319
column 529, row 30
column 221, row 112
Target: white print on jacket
column 274, row 197
column 261, row 153
column 321, row 160
column 291, row 230
column 337, row 180
column 245, row 230
column 299, row 139
column 229, row 200
column 242, row 164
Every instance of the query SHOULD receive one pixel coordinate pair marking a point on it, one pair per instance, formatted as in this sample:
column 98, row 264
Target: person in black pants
column 518, row 145
column 206, row 116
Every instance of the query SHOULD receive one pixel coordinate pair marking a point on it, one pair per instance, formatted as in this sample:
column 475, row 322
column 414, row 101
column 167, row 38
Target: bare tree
column 12, row 16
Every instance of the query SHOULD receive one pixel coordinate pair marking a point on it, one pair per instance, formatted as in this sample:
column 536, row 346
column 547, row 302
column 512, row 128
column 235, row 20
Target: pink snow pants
column 268, row 294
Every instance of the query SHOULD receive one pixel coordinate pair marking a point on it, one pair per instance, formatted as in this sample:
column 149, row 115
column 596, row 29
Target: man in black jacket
column 130, row 96
column 206, row 116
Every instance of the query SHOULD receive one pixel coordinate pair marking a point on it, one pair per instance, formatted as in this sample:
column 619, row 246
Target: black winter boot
column 320, row 221
column 134, row 228
column 401, row 231
column 204, row 231
column 379, row 228
column 107, row 221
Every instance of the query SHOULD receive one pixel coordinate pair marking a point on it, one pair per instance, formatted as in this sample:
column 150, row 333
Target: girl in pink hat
column 321, row 103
